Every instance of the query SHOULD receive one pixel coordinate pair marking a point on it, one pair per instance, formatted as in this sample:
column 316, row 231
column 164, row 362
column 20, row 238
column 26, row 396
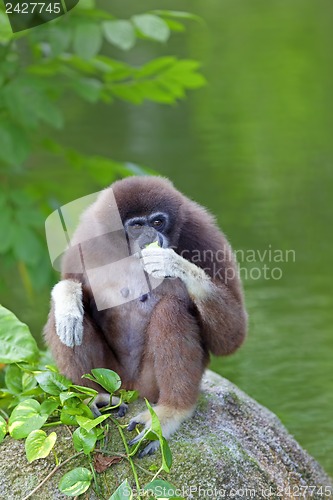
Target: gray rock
column 232, row 448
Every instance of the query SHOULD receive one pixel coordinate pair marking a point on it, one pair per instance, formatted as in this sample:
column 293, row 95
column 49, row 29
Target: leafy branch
column 42, row 66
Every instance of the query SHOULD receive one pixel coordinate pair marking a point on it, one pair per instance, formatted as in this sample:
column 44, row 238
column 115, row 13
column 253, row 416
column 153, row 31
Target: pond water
column 254, row 146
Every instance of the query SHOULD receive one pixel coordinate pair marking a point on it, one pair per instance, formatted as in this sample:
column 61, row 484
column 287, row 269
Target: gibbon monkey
column 154, row 316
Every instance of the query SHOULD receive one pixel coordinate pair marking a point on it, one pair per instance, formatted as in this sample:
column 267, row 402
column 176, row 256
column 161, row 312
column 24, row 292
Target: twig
column 51, row 474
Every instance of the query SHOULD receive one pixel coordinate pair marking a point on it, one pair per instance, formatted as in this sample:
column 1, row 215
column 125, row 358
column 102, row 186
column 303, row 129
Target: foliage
column 38, row 69
column 38, row 396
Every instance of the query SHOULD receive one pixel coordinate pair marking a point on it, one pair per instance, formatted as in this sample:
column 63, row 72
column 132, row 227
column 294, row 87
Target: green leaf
column 130, row 92
column 28, row 382
column 178, row 14
column 87, row 40
column 161, row 489
column 155, row 423
column 17, row 343
column 152, row 27
column 84, row 440
column 185, row 73
column 53, row 383
column 85, row 390
column 66, row 416
column 128, row 396
column 20, row 198
column 107, row 379
column 3, row 199
column 28, row 102
column 6, row 33
column 7, row 228
column 18, row 97
column 156, row 428
column 39, row 445
column 175, row 88
column 88, row 423
column 48, row 407
column 154, row 91
column 3, row 428
column 155, row 66
column 72, row 409
column 14, row 145
column 26, row 417
column 76, row 481
column 166, row 455
column 29, row 216
column 123, row 492
column 112, row 69
column 120, row 33
column 86, row 5
column 13, row 379
column 27, row 246
column 51, row 114
column 65, row 396
column 59, row 36
column 88, row 88
column 175, row 25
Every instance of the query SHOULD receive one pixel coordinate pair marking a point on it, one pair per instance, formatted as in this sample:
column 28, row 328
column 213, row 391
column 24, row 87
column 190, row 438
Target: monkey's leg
column 174, row 345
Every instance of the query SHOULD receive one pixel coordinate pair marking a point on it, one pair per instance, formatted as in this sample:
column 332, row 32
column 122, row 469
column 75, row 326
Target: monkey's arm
column 220, row 304
column 67, row 302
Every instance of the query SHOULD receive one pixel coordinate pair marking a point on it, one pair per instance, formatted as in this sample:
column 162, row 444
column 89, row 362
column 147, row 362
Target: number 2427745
column 33, row 8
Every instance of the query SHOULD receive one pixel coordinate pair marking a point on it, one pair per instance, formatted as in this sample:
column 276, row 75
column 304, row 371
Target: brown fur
column 161, row 346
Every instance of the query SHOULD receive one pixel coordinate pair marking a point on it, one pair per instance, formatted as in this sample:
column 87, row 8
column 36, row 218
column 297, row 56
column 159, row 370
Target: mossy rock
column 231, row 448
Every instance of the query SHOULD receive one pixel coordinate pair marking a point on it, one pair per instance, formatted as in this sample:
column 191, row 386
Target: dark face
column 146, row 229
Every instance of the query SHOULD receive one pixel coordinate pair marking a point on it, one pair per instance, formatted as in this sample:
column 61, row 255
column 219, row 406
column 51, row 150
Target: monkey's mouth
column 157, row 239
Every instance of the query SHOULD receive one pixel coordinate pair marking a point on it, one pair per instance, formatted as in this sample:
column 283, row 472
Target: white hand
column 166, row 263
column 68, row 312
column 161, row 262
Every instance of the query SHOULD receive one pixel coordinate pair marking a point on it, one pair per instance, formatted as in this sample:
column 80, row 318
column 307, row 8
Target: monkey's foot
column 143, row 418
column 170, row 419
column 103, row 399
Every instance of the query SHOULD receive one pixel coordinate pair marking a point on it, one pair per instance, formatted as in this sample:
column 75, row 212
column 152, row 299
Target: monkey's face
column 151, row 210
column 146, row 229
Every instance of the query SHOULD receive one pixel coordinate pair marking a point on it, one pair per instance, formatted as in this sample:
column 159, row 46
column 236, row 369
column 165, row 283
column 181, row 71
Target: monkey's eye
column 157, row 223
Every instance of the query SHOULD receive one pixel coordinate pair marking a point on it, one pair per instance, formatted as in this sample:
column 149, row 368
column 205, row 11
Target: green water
column 256, row 147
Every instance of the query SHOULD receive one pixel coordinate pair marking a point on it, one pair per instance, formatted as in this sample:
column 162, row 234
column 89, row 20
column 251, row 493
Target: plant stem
column 52, row 424
column 128, row 454
column 98, row 489
column 157, row 473
column 51, row 474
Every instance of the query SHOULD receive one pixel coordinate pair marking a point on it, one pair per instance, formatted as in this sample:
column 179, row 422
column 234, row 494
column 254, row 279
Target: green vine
column 35, row 396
